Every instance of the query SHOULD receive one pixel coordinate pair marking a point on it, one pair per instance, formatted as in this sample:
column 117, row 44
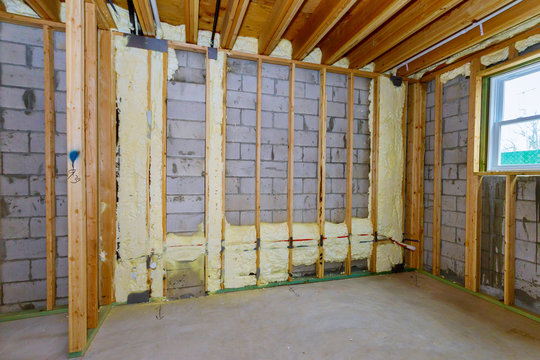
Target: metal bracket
column 290, row 243
column 321, row 241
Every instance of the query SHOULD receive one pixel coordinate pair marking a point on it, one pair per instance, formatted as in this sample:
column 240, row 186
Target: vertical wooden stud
column 321, row 172
column 473, row 209
column 373, row 211
column 223, row 159
column 76, row 189
column 509, row 239
column 50, row 164
column 164, row 162
column 258, row 167
column 437, row 178
column 349, row 169
column 290, row 167
column 207, row 165
column 91, row 158
column 107, row 165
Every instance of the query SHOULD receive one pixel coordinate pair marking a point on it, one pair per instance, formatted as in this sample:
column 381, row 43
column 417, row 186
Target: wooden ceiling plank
column 191, row 16
column 409, row 21
column 236, row 11
column 146, row 18
column 510, row 18
column 350, row 32
column 450, row 23
column 2, row 6
column 46, row 9
column 281, row 16
column 323, row 19
column 105, row 19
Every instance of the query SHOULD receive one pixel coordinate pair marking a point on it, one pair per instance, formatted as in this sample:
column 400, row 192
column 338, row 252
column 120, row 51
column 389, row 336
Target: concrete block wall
column 527, row 280
column 22, row 147
column 455, row 112
column 361, row 148
column 240, row 142
column 492, row 240
column 428, row 175
column 186, row 146
column 274, row 142
column 336, row 147
column 306, row 142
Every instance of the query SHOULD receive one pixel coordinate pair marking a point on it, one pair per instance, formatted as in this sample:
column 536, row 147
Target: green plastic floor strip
column 483, row 296
column 102, row 315
column 28, row 314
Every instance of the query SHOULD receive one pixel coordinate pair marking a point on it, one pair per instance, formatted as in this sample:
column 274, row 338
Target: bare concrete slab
column 385, row 317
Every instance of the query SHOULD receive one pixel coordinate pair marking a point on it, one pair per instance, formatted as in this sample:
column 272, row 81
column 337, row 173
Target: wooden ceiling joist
column 236, row 11
column 105, row 19
column 2, row 6
column 457, row 19
column 191, row 16
column 351, row 31
column 46, row 9
column 326, row 15
column 409, row 21
column 282, row 14
column 510, row 18
column 146, row 17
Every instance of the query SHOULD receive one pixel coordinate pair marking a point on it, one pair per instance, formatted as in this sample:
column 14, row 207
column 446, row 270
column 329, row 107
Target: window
column 514, row 119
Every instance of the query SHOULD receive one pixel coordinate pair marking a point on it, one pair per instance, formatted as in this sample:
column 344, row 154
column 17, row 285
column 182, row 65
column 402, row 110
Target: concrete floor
column 385, row 317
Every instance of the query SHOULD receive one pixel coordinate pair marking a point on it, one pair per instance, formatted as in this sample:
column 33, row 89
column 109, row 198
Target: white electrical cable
column 459, row 33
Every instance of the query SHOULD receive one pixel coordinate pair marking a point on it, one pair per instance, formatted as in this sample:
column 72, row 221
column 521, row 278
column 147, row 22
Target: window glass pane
column 520, row 143
column 521, row 96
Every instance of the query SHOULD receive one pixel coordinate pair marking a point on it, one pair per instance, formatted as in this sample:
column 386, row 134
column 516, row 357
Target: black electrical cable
column 216, row 15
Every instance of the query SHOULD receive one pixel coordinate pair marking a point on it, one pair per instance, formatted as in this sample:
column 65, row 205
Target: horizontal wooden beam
column 145, row 16
column 324, row 17
column 191, row 15
column 510, row 18
column 46, row 9
column 349, row 32
column 409, row 21
column 236, row 11
column 459, row 18
column 30, row 21
column 105, row 19
column 281, row 16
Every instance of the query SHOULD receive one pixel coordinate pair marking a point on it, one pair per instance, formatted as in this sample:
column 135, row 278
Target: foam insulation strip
column 20, row 8
column 140, row 149
column 494, row 57
column 528, row 42
column 361, row 238
column 336, row 242
column 306, row 251
column 464, row 70
column 274, row 253
column 240, row 256
column 390, row 167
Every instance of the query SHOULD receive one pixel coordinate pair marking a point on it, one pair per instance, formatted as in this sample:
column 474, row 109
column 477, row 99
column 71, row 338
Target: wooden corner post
column 349, row 169
column 509, row 239
column 437, row 178
column 322, row 172
column 290, row 168
column 258, row 169
column 374, row 208
column 76, row 177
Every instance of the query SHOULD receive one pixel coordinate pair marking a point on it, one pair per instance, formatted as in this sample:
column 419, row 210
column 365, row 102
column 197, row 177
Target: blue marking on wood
column 73, row 155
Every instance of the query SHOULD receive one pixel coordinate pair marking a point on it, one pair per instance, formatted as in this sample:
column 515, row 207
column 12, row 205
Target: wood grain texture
column 373, row 186
column 46, row 9
column 236, row 11
column 321, row 198
column 509, row 239
column 437, row 178
column 191, row 15
column 283, row 12
column 290, row 166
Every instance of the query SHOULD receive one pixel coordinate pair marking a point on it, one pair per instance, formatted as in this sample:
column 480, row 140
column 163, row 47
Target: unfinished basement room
column 270, row 179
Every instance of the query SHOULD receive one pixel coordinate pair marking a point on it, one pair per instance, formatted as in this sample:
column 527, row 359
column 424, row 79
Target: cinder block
column 185, row 167
column 21, row 34
column 184, row 223
column 247, row 151
column 185, row 204
column 334, row 79
column 247, row 217
column 186, row 92
column 303, row 170
column 62, row 245
column 238, row 66
column 196, row 60
column 14, row 185
column 233, row 217
column 275, row 103
column 526, row 210
column 61, row 269
column 185, row 148
column 273, row 169
column 307, row 76
column 311, row 122
column 274, row 136
column 239, row 202
column 275, row 71
column 335, row 109
column 455, row 122
column 21, row 76
column 282, row 88
column 249, row 117
column 38, row 227
column 241, row 100
column 15, row 228
column 249, row 84
column 306, row 138
column 25, row 249
column 185, row 110
column 305, row 201
column 38, row 269
column 15, row 271
column 60, row 40
column 240, row 168
column 362, row 83
column 281, row 120
column 181, row 129
column 336, row 125
column 306, row 106
column 11, row 53
column 234, row 81
column 185, row 185
column 266, row 185
column 61, row 226
column 24, row 291
column 232, row 151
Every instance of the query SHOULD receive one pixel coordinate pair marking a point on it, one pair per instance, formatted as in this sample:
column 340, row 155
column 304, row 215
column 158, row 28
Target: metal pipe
column 216, row 15
column 156, row 18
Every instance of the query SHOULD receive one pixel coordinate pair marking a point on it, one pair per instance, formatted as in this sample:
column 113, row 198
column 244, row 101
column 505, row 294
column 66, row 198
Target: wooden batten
column 164, row 164
column 349, row 169
column 223, row 160
column 50, row 164
column 258, row 168
column 107, row 165
column 473, row 211
column 373, row 211
column 30, row 21
column 509, row 239
column 76, row 189
column 145, row 16
column 283, row 12
column 46, row 9
column 437, row 178
column 321, row 172
column 290, row 167
column 207, row 159
column 191, row 15
column 234, row 16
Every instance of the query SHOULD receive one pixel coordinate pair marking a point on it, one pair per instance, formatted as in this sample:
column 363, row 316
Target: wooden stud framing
column 322, row 172
column 509, row 239
column 282, row 14
column 349, row 169
column 30, row 21
column 290, row 167
column 2, row 6
column 145, row 16
column 46, row 9
column 76, row 189
column 50, row 164
column 107, row 164
column 223, row 160
column 373, row 211
column 258, row 168
column 91, row 158
column 474, row 184
column 207, row 163
column 105, row 19
column 236, row 11
column 437, row 178
column 191, row 15
column 164, row 163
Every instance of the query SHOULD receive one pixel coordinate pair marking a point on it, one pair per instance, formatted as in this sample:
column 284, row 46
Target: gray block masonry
column 428, row 175
column 22, row 147
column 186, row 135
